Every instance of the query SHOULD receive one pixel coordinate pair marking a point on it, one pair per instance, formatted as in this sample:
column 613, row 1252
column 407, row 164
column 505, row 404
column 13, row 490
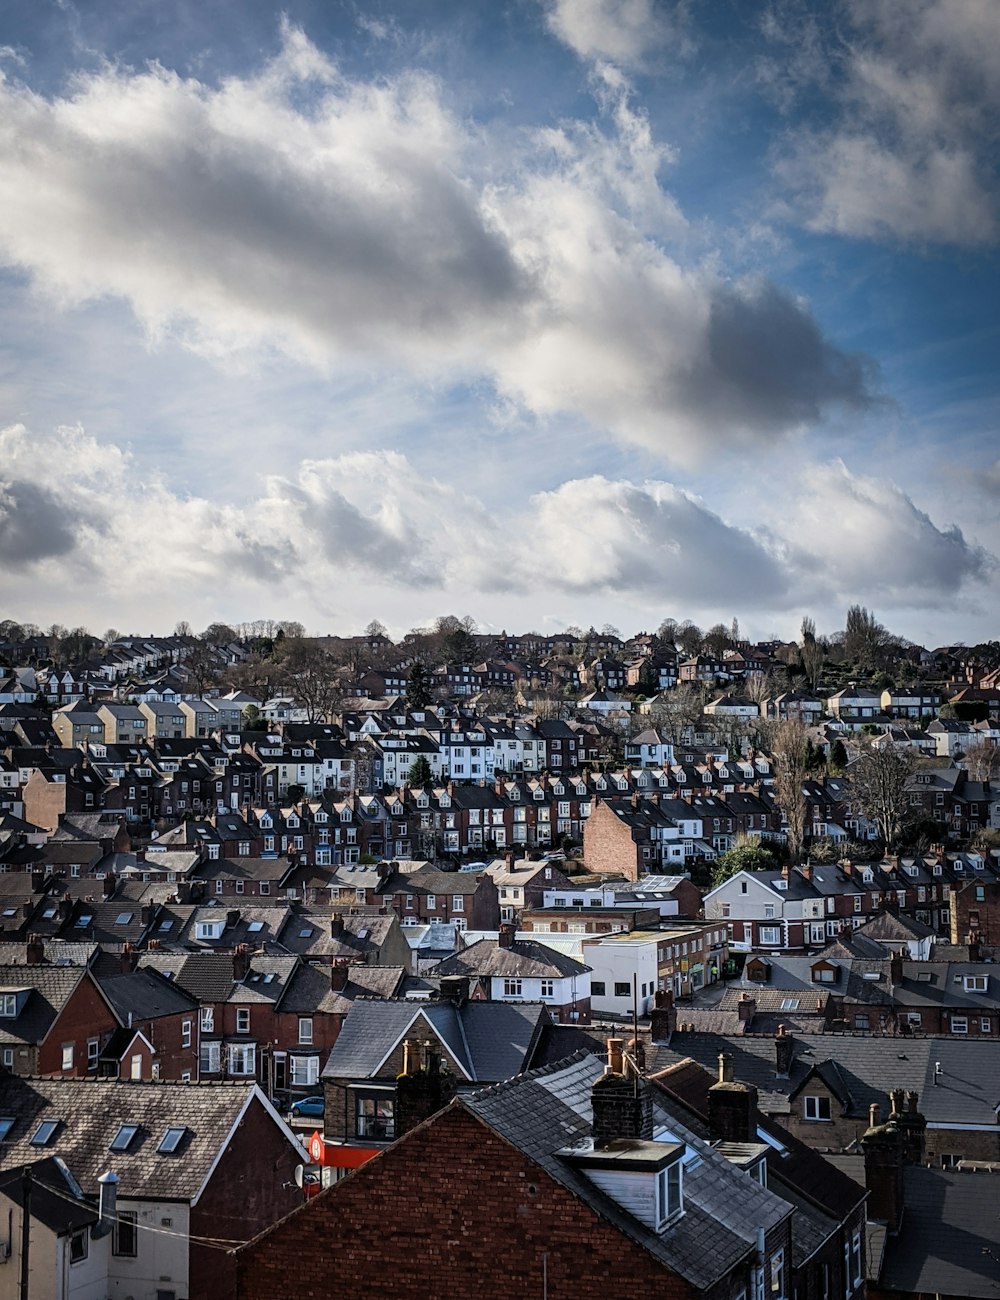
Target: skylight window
column 255, row 927
column 45, row 1132
column 124, row 1137
column 6, row 1124
column 305, row 934
column 83, row 921
column 10, row 911
column 171, row 1141
column 123, row 918
column 166, row 925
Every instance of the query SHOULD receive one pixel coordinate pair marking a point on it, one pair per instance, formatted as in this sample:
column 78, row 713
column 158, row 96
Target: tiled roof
column 50, row 989
column 548, row 1111
column 524, row 958
column 145, row 995
column 91, row 1113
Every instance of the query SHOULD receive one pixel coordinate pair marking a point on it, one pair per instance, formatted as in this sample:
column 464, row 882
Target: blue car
column 308, row 1106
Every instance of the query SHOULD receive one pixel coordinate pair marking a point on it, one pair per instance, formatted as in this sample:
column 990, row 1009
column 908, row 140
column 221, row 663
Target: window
column 984, row 1025
column 770, row 934
column 219, row 886
column 824, row 975
column 458, row 903
column 597, row 988
column 171, row 1141
column 93, row 1052
column 622, row 989
column 8, row 1005
column 239, row 886
column 768, row 911
column 976, row 983
column 855, row 1269
column 124, row 1137
column 79, row 1246
column 669, row 1194
column 305, row 1071
column 186, row 1033
column 210, row 1058
column 375, row 1117
column 67, row 1056
column 125, row 1239
column 512, row 988
column 207, row 1020
column 45, row 1132
column 431, row 902
column 816, row 1108
column 778, row 1274
column 305, row 1029
column 242, row 1058
column 960, row 1024
column 726, row 909
column 548, row 988
column 243, row 1020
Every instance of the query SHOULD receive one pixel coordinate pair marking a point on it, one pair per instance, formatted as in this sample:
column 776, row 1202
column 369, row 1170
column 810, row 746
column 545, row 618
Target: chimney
column 732, row 1106
column 663, row 1017
column 423, row 1087
column 108, row 1184
column 241, row 962
column 784, row 871
column 746, row 1008
column 507, row 932
column 912, row 1125
column 338, row 976
column 34, row 953
column 975, row 946
column 109, row 885
column 806, row 871
column 336, row 926
column 129, row 958
column 784, row 1051
column 896, row 968
column 37, row 881
column 883, row 1147
column 622, row 1104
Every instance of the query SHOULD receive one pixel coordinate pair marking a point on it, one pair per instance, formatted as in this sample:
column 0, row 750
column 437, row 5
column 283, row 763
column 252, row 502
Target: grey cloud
column 768, row 365
column 35, row 524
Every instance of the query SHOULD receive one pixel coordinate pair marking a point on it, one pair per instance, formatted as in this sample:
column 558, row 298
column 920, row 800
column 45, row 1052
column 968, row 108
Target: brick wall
column 252, row 1186
column 85, row 1015
column 608, row 846
column 451, row 1210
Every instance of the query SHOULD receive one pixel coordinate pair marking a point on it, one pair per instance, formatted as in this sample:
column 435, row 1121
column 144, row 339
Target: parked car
column 312, row 1106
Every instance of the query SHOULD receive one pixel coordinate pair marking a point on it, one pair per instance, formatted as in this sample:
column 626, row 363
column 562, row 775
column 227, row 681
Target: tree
column 111, row 636
column 418, row 686
column 675, row 712
column 689, row 638
column 865, row 639
column 202, row 664
column 420, row 773
column 218, row 634
column 375, row 629
column 253, row 719
column 878, row 787
column 667, row 632
column 183, row 628
column 838, row 756
column 306, row 671
column 747, row 854
column 789, row 749
column 716, row 640
column 982, row 761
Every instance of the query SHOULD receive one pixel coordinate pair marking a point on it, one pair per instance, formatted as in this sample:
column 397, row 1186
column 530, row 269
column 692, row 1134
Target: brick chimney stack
column 896, row 968
column 732, row 1106
column 784, row 1052
column 129, row 958
column 34, row 953
column 663, row 1017
column 746, row 1008
column 241, row 962
column 884, row 1147
column 621, row 1101
column 336, row 925
column 424, row 1086
column 507, row 932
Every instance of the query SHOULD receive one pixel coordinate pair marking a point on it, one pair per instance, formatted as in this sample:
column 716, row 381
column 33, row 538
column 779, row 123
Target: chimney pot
column 615, row 1056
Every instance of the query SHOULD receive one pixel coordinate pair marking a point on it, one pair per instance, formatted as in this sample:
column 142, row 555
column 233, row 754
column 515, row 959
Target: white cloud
column 79, row 523
column 346, row 223
column 625, row 32
column 911, row 153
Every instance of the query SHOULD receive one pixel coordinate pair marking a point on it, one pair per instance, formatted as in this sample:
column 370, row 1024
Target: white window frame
column 815, row 1105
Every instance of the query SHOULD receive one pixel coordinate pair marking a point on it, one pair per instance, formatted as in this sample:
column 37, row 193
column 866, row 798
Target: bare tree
column 789, row 749
column 878, row 785
column 675, row 712
column 308, row 673
column 982, row 760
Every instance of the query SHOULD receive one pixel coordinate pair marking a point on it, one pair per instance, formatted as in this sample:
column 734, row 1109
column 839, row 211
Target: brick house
column 577, row 1196
column 194, row 1163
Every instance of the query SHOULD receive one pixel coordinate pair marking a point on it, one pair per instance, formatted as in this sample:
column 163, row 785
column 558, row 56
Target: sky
column 539, row 311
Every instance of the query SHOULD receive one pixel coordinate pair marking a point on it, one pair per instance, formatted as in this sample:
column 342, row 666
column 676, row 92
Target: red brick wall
column 608, row 846
column 252, row 1186
column 422, row 1220
column 84, row 1015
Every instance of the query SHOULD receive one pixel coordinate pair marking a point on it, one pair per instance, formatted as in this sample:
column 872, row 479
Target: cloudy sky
column 542, row 311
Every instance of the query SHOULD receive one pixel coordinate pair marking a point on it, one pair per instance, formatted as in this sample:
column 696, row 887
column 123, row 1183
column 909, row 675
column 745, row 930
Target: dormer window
column 669, row 1194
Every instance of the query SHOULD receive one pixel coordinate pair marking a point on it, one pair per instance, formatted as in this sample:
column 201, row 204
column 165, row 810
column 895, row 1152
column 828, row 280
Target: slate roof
column 309, row 991
column 145, row 995
column 92, row 1111
column 524, row 957
column 489, row 1040
column 547, row 1113
column 56, row 1196
column 965, row 1092
column 50, row 989
column 362, row 936
column 948, row 1242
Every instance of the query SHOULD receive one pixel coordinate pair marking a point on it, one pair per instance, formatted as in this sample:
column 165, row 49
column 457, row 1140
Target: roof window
column 124, row 1137
column 171, row 1141
column 45, row 1132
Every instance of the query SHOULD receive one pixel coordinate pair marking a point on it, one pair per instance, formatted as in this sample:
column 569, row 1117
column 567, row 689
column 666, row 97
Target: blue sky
column 542, row 311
